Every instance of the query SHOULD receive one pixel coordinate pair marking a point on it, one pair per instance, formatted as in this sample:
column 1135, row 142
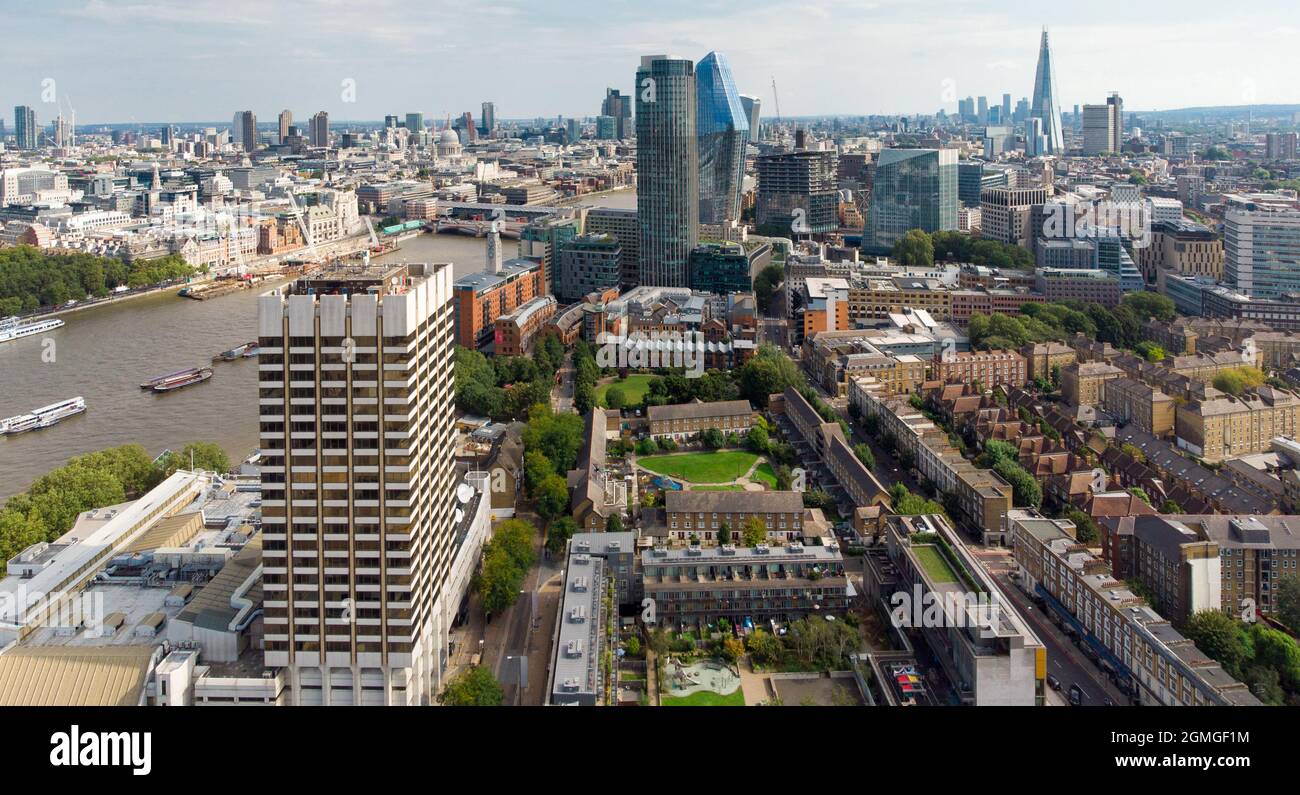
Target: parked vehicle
column 1076, row 695
column 1054, row 683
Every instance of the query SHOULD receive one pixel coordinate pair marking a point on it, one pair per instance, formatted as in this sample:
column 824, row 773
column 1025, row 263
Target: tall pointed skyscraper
column 722, row 127
column 1044, row 106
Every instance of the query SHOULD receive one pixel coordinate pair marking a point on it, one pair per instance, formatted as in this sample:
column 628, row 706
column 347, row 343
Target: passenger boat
column 242, row 351
column 171, row 384
column 43, row 417
column 11, row 329
column 153, row 382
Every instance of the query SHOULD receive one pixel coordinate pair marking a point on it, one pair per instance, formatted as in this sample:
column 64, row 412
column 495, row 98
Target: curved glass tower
column 1044, row 106
column 722, row 129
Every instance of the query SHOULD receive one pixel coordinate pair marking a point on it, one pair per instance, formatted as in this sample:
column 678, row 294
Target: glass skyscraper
column 722, row 128
column 1044, row 106
column 914, row 189
column 667, row 165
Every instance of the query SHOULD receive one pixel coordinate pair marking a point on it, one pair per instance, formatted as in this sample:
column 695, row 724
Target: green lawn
column 634, row 388
column 932, row 559
column 721, row 466
column 765, row 475
column 717, row 487
column 705, row 698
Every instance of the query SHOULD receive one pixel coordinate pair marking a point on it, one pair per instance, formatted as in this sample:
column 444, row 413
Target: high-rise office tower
column 752, row 106
column 467, row 124
column 966, row 109
column 1076, row 121
column 1116, row 120
column 1261, row 251
column 618, row 106
column 1280, row 146
column 320, row 129
column 1004, row 116
column 1103, row 126
column 488, row 115
column 358, row 482
column 286, row 121
column 245, row 130
column 722, row 129
column 392, row 121
column 982, row 110
column 667, row 165
column 913, row 189
column 25, row 130
column 1044, row 105
column 415, row 123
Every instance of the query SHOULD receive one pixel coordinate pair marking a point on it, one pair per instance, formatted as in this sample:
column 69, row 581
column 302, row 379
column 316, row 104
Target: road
column 526, row 628
column 1064, row 660
column 562, row 394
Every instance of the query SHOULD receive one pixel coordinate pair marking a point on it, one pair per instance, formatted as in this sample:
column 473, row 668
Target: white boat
column 10, row 329
column 43, row 417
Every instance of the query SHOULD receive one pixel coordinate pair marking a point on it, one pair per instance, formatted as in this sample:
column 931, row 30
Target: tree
column 552, row 497
column 1148, row 304
column 473, row 687
column 914, row 248
column 557, row 436
column 1085, row 527
column 724, row 533
column 647, row 446
column 614, row 524
column 753, row 532
column 1150, row 351
column 1238, row 379
column 764, row 647
column 765, row 284
column 506, row 559
column 1287, row 597
column 207, row 456
column 767, row 372
column 864, row 454
column 757, row 439
column 632, row 647
column 733, row 649
column 712, row 438
column 1220, row 637
column 558, row 534
column 537, row 468
column 615, row 397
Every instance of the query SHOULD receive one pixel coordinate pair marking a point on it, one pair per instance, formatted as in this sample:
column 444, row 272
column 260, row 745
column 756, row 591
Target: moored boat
column 170, row 384
column 155, row 381
column 239, row 351
column 43, row 417
column 11, row 329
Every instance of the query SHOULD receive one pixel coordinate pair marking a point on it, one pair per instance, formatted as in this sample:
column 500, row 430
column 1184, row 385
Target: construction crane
column 776, row 100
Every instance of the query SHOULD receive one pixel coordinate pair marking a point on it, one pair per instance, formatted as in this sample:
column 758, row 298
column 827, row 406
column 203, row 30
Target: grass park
column 705, row 698
column 711, row 467
column 634, row 388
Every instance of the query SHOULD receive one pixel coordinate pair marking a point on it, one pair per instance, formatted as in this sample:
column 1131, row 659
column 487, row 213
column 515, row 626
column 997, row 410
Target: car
column 1076, row 695
column 1054, row 683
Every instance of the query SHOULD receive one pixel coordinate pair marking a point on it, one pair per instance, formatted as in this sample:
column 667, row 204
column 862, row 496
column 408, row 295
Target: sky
column 119, row 61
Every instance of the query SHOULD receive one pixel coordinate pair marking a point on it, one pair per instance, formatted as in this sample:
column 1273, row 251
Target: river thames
column 103, row 354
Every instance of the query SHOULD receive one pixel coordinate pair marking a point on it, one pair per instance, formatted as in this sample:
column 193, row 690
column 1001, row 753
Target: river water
column 102, row 354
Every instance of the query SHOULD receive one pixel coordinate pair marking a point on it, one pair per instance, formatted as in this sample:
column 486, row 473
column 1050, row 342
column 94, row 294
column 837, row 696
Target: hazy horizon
column 127, row 61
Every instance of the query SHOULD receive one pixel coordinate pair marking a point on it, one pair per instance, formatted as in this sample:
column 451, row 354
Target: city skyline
column 218, row 56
